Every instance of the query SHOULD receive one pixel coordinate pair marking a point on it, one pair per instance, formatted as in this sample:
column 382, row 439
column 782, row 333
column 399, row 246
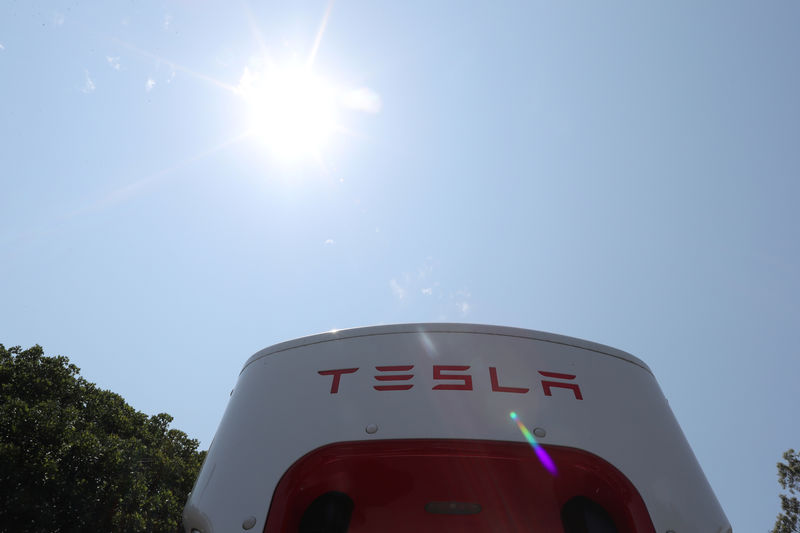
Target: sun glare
column 289, row 109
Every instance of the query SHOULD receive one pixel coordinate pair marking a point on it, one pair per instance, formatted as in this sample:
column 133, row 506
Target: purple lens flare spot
column 541, row 454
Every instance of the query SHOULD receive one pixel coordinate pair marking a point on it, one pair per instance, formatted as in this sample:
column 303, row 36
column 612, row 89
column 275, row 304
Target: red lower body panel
column 454, row 485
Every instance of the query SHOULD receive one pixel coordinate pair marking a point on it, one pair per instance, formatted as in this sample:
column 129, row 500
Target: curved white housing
column 297, row 396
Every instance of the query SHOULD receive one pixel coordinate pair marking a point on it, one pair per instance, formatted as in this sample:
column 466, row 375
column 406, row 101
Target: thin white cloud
column 427, row 291
column 463, row 305
column 398, row 291
column 167, row 21
column 113, row 62
column 148, row 86
column 58, row 19
column 88, row 85
column 363, row 99
column 329, row 242
column 2, row 47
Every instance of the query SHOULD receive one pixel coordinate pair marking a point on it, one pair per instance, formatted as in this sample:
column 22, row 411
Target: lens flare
column 545, row 459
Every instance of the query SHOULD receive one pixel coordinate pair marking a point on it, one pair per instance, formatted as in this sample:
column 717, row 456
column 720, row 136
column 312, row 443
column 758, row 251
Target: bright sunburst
column 288, row 108
column 291, row 110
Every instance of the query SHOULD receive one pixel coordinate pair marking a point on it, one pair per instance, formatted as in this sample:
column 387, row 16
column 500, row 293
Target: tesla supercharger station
column 449, row 427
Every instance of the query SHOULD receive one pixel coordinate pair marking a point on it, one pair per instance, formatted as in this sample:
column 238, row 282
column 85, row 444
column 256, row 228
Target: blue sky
column 624, row 173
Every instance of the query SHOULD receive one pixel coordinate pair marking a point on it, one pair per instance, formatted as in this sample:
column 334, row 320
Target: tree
column 789, row 478
column 74, row 457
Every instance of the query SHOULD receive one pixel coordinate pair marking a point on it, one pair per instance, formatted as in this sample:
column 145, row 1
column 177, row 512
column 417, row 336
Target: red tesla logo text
column 394, row 377
column 455, row 377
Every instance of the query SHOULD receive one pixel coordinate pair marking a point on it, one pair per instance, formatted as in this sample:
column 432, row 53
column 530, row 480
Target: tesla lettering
column 456, row 378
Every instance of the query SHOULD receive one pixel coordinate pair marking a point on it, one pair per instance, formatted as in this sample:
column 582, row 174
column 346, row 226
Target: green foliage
column 77, row 458
column 789, row 478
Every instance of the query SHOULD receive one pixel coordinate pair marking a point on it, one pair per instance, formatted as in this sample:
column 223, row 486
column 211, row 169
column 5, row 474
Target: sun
column 289, row 109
